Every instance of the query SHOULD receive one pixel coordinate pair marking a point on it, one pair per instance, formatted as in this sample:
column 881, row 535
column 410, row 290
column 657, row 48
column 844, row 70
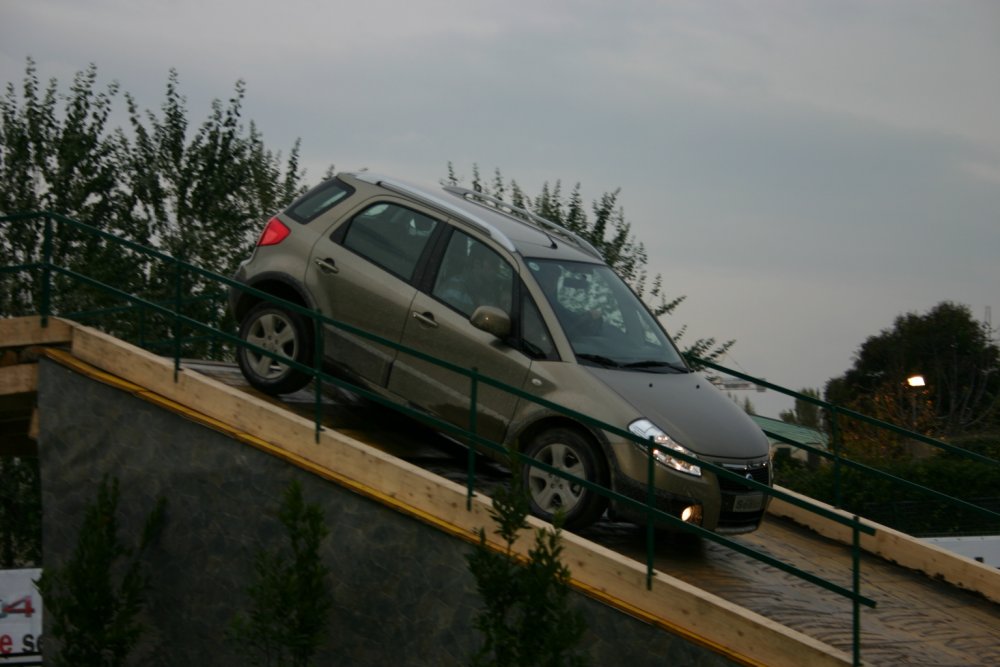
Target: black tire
column 570, row 451
column 280, row 331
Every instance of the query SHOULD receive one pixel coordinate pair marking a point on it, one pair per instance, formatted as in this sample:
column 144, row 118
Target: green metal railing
column 178, row 332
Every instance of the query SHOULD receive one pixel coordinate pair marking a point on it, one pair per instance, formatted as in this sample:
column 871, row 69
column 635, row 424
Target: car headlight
column 646, row 429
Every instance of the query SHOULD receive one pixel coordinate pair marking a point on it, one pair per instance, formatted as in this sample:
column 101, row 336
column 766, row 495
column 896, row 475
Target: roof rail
column 426, row 197
column 524, row 215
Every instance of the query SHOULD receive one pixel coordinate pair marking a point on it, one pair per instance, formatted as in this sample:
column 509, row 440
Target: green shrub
column 93, row 601
column 526, row 620
column 290, row 599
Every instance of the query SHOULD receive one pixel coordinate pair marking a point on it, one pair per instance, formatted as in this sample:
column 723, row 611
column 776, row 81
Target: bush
column 93, row 601
column 526, row 619
column 290, row 599
column 909, row 510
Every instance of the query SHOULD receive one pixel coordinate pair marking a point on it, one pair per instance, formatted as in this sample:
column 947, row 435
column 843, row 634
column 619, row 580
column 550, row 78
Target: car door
column 469, row 274
column 361, row 274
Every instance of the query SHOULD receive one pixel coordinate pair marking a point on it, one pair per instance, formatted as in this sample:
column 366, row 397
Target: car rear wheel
column 572, row 452
column 282, row 333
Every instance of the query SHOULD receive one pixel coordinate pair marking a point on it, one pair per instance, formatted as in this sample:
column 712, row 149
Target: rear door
column 470, row 274
column 361, row 274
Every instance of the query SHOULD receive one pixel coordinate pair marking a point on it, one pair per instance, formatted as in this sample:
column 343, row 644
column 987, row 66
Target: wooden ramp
column 722, row 621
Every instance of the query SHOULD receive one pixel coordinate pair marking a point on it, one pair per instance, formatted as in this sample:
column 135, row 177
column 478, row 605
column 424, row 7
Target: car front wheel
column 570, row 452
column 280, row 332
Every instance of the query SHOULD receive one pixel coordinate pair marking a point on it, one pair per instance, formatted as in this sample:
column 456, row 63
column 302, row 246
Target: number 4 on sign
column 21, row 606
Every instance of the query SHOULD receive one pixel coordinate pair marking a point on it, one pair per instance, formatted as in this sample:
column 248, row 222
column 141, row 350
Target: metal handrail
column 180, row 322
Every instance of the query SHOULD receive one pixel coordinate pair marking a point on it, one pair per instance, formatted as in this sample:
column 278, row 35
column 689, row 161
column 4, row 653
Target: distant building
column 794, row 432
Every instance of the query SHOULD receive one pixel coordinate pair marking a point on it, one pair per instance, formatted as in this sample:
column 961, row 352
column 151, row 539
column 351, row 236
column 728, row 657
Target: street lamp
column 915, row 383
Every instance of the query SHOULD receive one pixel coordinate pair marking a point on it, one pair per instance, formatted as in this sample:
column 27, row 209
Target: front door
column 470, row 275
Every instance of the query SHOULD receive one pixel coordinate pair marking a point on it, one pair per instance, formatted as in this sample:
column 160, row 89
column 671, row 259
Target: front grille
column 732, row 520
column 758, row 472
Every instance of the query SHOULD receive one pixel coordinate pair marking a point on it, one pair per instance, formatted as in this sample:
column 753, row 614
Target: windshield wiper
column 599, row 360
column 651, row 364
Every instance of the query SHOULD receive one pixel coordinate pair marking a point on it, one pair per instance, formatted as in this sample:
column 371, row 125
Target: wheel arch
column 277, row 285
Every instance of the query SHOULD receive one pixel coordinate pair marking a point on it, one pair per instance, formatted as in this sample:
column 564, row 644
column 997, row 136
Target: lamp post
column 915, row 383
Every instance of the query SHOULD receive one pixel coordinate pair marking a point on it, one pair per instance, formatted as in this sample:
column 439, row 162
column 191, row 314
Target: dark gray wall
column 402, row 591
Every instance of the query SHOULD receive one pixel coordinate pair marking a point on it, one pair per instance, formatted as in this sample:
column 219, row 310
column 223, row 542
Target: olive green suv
column 473, row 281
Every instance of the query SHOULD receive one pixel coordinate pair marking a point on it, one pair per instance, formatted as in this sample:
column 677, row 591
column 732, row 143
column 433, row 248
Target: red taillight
column 274, row 233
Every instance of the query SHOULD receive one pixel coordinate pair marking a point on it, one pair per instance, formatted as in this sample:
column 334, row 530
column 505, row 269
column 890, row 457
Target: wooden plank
column 24, row 331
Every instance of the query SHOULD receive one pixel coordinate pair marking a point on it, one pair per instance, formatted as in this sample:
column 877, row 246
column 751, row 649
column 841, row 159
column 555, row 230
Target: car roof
column 516, row 229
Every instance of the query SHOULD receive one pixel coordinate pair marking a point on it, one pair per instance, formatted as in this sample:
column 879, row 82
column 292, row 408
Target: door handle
column 425, row 318
column 326, row 265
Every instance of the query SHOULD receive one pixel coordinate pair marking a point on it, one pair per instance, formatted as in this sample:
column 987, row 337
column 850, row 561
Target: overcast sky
column 803, row 171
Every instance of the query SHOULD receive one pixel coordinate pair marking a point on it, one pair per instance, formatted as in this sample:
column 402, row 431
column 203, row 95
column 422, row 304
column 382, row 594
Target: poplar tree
column 197, row 192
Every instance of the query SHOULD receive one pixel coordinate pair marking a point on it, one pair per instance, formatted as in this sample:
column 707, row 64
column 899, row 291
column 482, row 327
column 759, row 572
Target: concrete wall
column 402, row 592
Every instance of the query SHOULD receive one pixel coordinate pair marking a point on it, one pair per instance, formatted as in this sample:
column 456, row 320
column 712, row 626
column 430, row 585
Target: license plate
column 751, row 502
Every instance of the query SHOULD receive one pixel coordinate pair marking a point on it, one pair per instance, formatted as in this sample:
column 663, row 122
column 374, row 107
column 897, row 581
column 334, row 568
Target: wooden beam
column 25, row 331
column 19, row 379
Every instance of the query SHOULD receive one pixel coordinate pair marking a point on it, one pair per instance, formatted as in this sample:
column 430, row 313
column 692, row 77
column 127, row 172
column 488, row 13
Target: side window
column 473, row 275
column 318, row 201
column 391, row 236
column 535, row 338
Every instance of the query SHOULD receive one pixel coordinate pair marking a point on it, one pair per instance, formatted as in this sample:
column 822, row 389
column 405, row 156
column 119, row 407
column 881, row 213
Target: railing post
column 46, row 304
column 178, row 294
column 318, row 373
column 835, row 436
column 651, row 504
column 473, row 401
column 142, row 327
column 856, row 562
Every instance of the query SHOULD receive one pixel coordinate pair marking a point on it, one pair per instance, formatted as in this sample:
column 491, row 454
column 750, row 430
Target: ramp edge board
column 900, row 548
column 672, row 605
column 27, row 331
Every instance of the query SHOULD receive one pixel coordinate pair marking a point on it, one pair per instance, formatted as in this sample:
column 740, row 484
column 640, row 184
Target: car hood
column 690, row 410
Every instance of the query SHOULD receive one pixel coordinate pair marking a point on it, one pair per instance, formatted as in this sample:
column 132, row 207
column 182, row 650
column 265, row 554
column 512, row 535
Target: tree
column 525, row 620
column 746, row 405
column 290, row 598
column 954, row 354
column 609, row 232
column 50, row 159
column 196, row 194
column 94, row 599
column 805, row 413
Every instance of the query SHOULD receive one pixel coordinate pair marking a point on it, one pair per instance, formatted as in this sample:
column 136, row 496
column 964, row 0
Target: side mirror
column 492, row 320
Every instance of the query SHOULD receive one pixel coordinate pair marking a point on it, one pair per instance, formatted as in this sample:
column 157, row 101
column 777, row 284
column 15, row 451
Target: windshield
column 606, row 323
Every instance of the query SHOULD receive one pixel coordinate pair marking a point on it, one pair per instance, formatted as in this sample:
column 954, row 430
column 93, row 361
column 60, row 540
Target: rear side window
column 473, row 275
column 391, row 236
column 318, row 201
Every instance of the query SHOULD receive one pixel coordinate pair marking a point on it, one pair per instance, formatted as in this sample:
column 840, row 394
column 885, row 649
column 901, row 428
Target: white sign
column 20, row 617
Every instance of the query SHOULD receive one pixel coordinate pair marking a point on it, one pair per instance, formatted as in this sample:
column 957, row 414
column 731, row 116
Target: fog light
column 692, row 514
